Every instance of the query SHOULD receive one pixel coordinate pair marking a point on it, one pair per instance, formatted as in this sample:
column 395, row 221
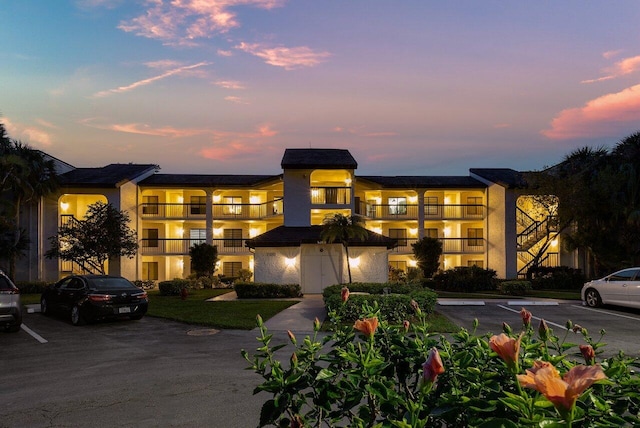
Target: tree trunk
column 346, row 249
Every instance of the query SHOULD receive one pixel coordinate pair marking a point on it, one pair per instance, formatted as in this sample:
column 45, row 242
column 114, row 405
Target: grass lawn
column 236, row 314
column 548, row 294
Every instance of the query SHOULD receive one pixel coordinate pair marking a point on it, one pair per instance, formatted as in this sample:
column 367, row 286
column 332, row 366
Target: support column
column 209, row 216
column 421, row 213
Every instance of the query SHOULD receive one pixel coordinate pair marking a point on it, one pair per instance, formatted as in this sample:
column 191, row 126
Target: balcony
column 331, row 195
column 431, row 212
column 220, row 211
column 180, row 247
column 449, row 245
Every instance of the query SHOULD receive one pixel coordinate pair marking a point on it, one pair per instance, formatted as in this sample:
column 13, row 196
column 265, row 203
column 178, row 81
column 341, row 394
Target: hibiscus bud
column 526, row 317
column 316, row 324
column 506, row 328
column 543, row 330
column 344, row 294
column 569, row 325
column 259, row 320
column 292, row 337
column 416, row 307
column 588, row 353
column 577, row 328
column 405, row 324
column 294, row 360
column 476, row 323
column 432, row 367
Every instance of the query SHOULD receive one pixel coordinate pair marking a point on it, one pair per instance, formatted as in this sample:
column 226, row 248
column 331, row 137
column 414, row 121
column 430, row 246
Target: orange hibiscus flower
column 367, row 326
column 507, row 348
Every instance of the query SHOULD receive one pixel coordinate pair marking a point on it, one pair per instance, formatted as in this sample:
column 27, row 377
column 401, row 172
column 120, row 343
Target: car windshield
column 5, row 284
column 110, row 283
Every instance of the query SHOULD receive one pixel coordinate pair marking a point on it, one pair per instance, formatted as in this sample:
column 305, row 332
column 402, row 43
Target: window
column 400, row 235
column 397, row 206
column 478, row 263
column 233, row 237
column 231, row 268
column 232, row 205
column 149, row 271
column 474, row 205
column 150, row 238
column 198, row 205
column 431, row 205
column 400, row 265
column 197, row 236
column 475, row 237
column 150, row 205
column 624, row 275
column 431, row 232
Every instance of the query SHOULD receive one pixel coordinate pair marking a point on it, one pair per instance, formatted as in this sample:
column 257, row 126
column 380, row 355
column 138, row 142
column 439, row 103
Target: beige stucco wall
column 297, row 200
column 270, row 265
column 372, row 264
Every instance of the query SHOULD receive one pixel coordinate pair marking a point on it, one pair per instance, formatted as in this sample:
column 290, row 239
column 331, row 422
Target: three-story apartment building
column 270, row 224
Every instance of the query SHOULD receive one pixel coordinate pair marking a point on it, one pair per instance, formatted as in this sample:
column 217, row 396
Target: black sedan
column 89, row 298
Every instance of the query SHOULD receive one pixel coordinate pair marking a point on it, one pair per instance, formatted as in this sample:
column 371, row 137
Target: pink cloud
column 173, row 72
column 287, row 58
column 229, row 84
column 237, row 100
column 600, row 117
column 360, row 132
column 621, row 68
column 181, row 22
column 28, row 134
column 222, row 52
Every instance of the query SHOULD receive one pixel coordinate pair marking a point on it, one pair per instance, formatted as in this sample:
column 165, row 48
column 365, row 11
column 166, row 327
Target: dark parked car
column 87, row 298
column 10, row 307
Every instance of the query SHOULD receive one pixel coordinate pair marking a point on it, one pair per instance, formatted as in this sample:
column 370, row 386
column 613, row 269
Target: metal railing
column 449, row 245
column 180, row 246
column 331, row 195
column 431, row 211
column 219, row 211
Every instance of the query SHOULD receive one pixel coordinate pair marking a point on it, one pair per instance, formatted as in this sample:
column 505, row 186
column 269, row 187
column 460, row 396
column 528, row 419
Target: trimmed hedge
column 394, row 306
column 259, row 290
column 36, row 287
column 515, row 288
column 469, row 279
column 556, row 278
column 173, row 287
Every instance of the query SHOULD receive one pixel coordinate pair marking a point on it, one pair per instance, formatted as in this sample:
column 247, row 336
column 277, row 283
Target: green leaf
column 325, row 374
column 498, row 423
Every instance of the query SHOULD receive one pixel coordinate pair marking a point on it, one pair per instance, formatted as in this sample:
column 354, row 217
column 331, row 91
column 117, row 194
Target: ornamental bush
column 259, row 290
column 173, row 287
column 515, row 288
column 374, row 373
column 462, row 278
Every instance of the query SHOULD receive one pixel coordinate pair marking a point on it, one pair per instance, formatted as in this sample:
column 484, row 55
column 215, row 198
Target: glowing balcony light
column 412, row 199
column 378, row 200
column 354, row 262
column 181, row 263
column 253, row 232
column 413, row 231
column 251, row 264
column 254, row 199
column 180, row 231
column 180, row 199
column 217, row 198
column 347, row 182
column 447, row 200
column 554, row 243
column 64, row 206
column 377, row 230
column 217, row 231
column 315, row 193
column 412, row 263
column 290, row 262
column 447, row 231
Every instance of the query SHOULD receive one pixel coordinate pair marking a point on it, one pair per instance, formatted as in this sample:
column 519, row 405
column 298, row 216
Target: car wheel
column 13, row 328
column 44, row 307
column 76, row 316
column 592, row 297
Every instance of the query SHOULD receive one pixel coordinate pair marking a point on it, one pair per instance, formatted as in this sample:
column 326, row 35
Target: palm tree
column 342, row 228
column 25, row 177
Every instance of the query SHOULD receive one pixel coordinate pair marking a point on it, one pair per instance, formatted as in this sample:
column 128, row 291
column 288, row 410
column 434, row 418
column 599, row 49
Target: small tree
column 342, row 228
column 103, row 234
column 427, row 252
column 203, row 259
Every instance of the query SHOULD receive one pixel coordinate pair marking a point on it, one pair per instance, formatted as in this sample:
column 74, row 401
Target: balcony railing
column 449, row 245
column 431, row 212
column 219, row 211
column 180, row 247
column 331, row 195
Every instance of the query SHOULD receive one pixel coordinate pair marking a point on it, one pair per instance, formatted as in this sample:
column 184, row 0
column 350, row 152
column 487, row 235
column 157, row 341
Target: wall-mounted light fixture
column 217, row 231
column 64, row 206
column 253, row 232
column 180, row 199
column 347, row 182
column 412, row 199
column 216, row 198
column 254, row 199
column 290, row 262
column 413, row 231
column 412, row 263
column 354, row 261
column 447, row 231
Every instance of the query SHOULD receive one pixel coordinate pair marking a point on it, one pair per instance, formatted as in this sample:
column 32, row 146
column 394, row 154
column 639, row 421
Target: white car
column 621, row 288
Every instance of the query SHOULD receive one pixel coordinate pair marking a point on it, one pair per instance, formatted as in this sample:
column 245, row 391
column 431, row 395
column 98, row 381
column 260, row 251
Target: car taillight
column 99, row 297
column 141, row 296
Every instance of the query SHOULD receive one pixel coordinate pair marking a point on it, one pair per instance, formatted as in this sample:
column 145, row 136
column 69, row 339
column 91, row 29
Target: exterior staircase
column 533, row 235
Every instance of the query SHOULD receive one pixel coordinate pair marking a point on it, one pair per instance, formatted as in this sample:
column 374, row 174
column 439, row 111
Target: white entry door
column 321, row 266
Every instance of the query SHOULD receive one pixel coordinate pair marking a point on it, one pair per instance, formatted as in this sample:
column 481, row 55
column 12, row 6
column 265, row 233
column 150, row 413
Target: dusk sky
column 409, row 87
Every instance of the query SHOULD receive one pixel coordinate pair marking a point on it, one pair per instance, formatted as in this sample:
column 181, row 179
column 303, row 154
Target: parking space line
column 33, row 334
column 605, row 312
column 534, row 317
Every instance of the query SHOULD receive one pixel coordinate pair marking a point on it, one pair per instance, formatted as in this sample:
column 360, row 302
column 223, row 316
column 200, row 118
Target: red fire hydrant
column 184, row 293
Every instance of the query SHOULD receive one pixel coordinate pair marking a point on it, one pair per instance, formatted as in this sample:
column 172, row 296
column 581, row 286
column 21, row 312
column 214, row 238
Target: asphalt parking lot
column 157, row 373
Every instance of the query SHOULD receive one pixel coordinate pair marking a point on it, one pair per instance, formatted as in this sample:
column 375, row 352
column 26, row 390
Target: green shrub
column 556, row 278
column 36, row 287
column 515, row 288
column 471, row 279
column 174, row 286
column 373, row 373
column 258, row 290
column 392, row 299
column 244, row 275
column 148, row 284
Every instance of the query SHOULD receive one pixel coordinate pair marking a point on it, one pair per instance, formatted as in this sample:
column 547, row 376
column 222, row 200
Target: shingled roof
column 317, row 158
column 290, row 236
column 208, row 180
column 422, row 182
column 505, row 177
column 114, row 175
